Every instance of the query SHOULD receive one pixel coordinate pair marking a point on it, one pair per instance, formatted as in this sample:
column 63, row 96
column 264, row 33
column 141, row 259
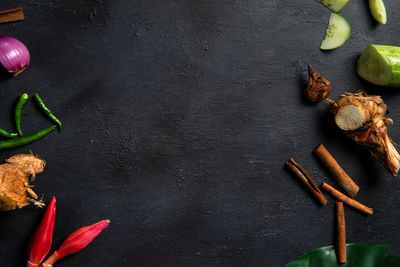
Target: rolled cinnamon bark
column 307, row 181
column 349, row 201
column 336, row 171
column 11, row 15
column 341, row 233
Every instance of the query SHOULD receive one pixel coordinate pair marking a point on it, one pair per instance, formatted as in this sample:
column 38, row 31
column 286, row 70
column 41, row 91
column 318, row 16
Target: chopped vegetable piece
column 14, row 185
column 337, row 32
column 334, row 5
column 47, row 111
column 18, row 111
column 20, row 141
column 380, row 65
column 378, row 11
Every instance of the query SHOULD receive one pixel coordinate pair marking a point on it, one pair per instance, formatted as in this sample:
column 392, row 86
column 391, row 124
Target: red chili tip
column 77, row 241
column 40, row 243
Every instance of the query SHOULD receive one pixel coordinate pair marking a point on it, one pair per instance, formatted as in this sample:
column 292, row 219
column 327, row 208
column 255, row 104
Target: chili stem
column 47, row 111
column 18, row 111
column 20, row 141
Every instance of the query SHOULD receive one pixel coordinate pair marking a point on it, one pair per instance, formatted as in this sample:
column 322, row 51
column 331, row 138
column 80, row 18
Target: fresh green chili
column 20, row 141
column 6, row 134
column 18, row 111
column 47, row 111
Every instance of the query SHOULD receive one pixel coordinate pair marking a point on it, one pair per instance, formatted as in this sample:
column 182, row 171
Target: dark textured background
column 179, row 116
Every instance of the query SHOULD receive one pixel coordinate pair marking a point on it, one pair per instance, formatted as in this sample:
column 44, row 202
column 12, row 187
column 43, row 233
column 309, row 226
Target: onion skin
column 14, row 55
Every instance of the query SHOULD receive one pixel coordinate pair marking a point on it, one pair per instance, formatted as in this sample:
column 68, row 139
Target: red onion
column 14, row 55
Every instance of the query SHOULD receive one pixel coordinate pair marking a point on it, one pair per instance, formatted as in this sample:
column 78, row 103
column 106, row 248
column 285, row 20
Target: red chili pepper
column 76, row 241
column 40, row 243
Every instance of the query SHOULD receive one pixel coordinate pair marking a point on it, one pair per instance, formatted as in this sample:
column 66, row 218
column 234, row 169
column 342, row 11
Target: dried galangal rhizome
column 362, row 118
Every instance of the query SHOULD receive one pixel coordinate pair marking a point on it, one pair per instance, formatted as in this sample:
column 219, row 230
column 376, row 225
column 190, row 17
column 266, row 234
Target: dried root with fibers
column 362, row 118
column 15, row 175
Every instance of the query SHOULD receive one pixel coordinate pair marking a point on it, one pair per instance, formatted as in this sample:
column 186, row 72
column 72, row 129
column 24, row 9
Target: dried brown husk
column 15, row 175
column 370, row 132
column 318, row 88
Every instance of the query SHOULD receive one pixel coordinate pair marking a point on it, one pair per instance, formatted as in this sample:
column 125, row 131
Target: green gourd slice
column 378, row 11
column 334, row 5
column 337, row 32
column 380, row 65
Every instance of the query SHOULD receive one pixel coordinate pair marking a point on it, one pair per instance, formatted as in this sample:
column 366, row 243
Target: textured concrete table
column 179, row 116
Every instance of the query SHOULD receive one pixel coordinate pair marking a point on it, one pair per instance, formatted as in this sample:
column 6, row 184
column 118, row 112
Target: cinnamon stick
column 10, row 15
column 336, row 171
column 349, row 201
column 307, row 181
column 341, row 233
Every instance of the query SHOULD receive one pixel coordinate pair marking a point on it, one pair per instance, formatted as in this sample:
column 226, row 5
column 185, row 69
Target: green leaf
column 390, row 261
column 358, row 255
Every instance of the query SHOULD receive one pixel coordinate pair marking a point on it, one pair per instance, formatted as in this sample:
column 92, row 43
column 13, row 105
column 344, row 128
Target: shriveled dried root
column 38, row 203
column 362, row 118
column 14, row 182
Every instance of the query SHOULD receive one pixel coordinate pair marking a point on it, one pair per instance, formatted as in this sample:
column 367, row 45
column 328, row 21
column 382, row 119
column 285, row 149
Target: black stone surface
column 178, row 117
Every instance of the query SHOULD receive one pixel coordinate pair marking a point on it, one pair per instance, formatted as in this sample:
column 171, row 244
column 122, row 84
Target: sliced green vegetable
column 334, row 5
column 378, row 10
column 18, row 111
column 337, row 32
column 20, row 141
column 358, row 255
column 380, row 65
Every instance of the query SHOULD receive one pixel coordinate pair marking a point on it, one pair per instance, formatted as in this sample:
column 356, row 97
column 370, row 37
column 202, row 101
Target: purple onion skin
column 14, row 55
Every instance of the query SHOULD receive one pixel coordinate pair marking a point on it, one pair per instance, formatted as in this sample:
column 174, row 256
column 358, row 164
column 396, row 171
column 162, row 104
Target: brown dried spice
column 318, row 88
column 14, row 181
column 362, row 118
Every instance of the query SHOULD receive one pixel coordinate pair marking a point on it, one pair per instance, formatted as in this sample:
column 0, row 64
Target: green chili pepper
column 6, row 134
column 20, row 141
column 18, row 111
column 47, row 111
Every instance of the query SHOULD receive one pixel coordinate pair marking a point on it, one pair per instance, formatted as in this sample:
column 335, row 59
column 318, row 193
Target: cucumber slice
column 380, row 65
column 337, row 32
column 378, row 11
column 334, row 5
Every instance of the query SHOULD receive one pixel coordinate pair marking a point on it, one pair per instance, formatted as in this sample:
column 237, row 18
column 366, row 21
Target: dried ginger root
column 362, row 119
column 14, row 181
